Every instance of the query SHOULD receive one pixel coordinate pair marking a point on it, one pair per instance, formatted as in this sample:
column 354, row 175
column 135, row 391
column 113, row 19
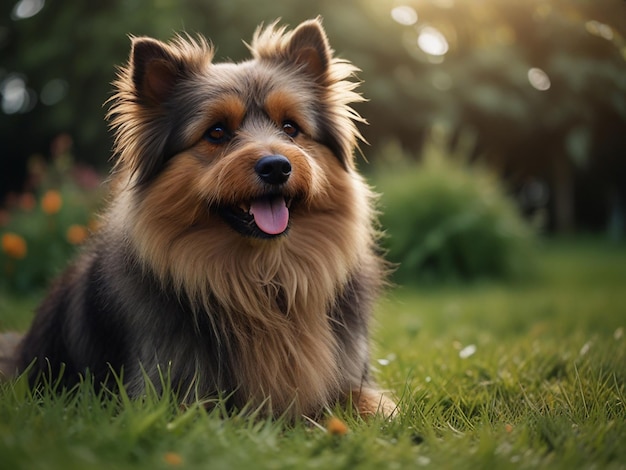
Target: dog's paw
column 371, row 402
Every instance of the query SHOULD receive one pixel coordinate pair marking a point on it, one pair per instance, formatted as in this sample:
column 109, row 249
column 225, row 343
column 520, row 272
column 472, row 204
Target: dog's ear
column 144, row 127
column 155, row 69
column 308, row 47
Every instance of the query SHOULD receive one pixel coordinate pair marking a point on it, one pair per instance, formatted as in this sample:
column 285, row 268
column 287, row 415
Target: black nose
column 273, row 169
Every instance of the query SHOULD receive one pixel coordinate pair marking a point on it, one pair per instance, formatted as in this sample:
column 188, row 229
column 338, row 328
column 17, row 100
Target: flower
column 336, row 427
column 51, row 202
column 76, row 234
column 173, row 459
column 14, row 245
column 467, row 351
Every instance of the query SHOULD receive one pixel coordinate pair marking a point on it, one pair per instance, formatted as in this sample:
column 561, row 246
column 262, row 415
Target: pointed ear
column 308, row 46
column 155, row 69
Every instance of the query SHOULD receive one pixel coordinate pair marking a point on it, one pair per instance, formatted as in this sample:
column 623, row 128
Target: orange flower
column 336, row 427
column 51, row 202
column 14, row 245
column 173, row 459
column 76, row 234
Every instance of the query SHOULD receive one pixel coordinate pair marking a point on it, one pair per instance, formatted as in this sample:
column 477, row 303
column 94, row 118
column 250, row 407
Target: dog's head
column 248, row 144
column 237, row 180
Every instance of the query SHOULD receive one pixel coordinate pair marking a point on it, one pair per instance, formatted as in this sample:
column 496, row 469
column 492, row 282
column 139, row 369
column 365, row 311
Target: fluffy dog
column 238, row 250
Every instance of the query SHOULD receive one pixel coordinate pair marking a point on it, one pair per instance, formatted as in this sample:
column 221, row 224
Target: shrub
column 42, row 227
column 449, row 220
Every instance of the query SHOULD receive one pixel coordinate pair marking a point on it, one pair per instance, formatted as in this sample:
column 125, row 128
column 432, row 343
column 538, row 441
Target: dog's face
column 253, row 149
column 253, row 145
column 231, row 176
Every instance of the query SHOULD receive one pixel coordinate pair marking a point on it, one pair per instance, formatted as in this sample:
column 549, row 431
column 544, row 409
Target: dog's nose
column 273, row 169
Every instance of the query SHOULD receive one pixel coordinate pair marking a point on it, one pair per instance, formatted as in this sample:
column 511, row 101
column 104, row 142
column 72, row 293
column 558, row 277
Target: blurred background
column 490, row 120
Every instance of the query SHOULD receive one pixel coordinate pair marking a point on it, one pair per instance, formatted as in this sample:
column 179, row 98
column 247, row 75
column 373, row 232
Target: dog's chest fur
column 263, row 329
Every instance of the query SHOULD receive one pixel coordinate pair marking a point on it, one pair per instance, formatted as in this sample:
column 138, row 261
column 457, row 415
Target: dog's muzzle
column 266, row 216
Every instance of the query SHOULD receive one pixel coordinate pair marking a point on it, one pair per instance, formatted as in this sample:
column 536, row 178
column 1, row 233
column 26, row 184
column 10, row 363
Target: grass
column 489, row 376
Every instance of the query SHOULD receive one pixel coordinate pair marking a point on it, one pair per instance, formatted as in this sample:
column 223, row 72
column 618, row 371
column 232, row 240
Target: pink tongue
column 270, row 214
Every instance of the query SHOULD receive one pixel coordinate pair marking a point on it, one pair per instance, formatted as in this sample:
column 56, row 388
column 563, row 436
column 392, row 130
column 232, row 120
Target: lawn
column 525, row 375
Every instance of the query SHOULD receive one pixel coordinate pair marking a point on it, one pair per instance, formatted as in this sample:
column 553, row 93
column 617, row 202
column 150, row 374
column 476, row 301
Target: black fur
column 106, row 317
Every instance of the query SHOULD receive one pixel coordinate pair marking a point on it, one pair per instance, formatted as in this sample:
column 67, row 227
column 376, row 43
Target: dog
column 238, row 250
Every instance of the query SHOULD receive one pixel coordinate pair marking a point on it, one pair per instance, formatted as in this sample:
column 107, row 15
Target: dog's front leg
column 371, row 402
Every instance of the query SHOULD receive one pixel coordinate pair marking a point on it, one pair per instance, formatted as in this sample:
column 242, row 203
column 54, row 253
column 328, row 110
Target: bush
column 449, row 220
column 42, row 227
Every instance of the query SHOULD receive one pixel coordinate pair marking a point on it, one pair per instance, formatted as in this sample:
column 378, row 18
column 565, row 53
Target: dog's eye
column 217, row 134
column 291, row 129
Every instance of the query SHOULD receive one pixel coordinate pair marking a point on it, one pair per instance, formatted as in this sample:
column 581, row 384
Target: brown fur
column 289, row 314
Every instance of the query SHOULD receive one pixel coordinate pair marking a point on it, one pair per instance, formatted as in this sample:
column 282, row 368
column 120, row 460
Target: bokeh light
column 16, row 97
column 539, row 79
column 432, row 41
column 53, row 91
column 26, row 8
column 599, row 29
column 442, row 81
column 404, row 15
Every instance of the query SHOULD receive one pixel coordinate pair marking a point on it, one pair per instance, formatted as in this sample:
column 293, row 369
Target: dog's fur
column 179, row 279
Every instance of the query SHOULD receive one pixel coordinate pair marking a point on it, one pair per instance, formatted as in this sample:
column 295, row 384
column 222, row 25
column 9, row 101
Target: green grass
column 494, row 375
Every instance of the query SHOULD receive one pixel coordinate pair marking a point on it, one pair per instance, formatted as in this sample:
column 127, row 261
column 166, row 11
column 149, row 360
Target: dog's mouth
column 263, row 217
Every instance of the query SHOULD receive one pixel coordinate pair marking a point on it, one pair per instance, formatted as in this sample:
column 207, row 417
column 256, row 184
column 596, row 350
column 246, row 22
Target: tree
column 543, row 86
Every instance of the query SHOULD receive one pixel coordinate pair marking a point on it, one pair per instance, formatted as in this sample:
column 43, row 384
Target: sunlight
column 539, row 79
column 26, row 8
column 432, row 42
column 16, row 98
column 404, row 15
column 443, row 3
column 599, row 29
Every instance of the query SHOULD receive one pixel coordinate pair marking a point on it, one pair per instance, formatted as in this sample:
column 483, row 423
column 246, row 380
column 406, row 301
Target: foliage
column 43, row 226
column 488, row 377
column 447, row 219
